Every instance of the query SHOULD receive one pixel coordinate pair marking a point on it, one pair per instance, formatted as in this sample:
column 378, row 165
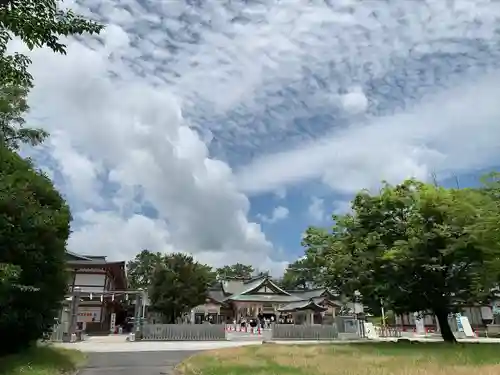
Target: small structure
column 303, row 312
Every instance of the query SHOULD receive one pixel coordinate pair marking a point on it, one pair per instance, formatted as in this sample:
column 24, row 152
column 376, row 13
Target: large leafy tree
column 179, row 283
column 140, row 269
column 237, row 270
column 37, row 23
column 417, row 247
column 34, row 227
column 304, row 273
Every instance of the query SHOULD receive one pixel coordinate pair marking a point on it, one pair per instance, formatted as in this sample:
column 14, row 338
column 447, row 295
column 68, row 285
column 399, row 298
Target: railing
column 304, row 332
column 183, row 332
column 388, row 332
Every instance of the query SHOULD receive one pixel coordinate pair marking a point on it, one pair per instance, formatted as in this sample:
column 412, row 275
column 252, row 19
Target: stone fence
column 183, row 332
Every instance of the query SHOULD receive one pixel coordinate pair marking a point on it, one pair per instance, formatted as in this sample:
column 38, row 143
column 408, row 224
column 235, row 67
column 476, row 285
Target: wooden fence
column 183, row 332
column 304, row 332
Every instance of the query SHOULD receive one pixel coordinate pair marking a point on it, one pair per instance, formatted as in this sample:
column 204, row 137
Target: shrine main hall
column 236, row 298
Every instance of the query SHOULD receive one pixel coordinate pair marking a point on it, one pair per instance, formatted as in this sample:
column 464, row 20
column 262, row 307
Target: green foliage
column 38, row 23
column 237, row 270
column 34, row 228
column 13, row 106
column 416, row 246
column 304, row 273
column 179, row 284
column 140, row 269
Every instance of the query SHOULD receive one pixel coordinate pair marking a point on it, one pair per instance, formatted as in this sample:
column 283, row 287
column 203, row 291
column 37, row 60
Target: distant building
column 236, row 299
column 97, row 279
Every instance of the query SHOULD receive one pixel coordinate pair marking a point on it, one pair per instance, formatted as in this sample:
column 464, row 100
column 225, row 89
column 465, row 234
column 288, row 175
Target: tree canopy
column 37, row 23
column 305, row 273
column 178, row 284
column 140, row 269
column 237, row 270
column 419, row 247
column 34, row 228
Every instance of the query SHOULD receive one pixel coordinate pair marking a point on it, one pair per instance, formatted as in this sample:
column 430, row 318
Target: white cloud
column 342, row 207
column 132, row 134
column 316, row 209
column 354, row 101
column 280, row 193
column 123, row 108
column 450, row 132
column 279, row 213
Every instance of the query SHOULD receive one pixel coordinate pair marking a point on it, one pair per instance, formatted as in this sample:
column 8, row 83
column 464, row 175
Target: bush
column 34, row 228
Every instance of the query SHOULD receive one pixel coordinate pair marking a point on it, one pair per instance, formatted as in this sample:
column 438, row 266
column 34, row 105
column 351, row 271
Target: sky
column 226, row 128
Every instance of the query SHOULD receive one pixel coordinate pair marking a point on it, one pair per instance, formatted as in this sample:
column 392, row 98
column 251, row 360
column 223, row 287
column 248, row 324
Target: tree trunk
column 446, row 332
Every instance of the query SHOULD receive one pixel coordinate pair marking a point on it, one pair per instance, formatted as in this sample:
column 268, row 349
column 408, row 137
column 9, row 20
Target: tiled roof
column 302, row 305
column 217, row 295
column 265, row 298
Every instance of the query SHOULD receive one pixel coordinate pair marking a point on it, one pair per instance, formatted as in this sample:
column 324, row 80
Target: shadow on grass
column 42, row 360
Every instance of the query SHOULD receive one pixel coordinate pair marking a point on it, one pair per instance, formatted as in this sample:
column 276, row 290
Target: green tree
column 13, row 106
column 37, row 23
column 416, row 246
column 34, row 228
column 237, row 270
column 304, row 273
column 140, row 269
column 178, row 284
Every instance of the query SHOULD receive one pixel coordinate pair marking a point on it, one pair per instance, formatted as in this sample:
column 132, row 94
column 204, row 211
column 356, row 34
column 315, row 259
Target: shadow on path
column 134, row 363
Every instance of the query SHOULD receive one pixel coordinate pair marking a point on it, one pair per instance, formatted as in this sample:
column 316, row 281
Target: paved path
column 134, row 363
column 92, row 346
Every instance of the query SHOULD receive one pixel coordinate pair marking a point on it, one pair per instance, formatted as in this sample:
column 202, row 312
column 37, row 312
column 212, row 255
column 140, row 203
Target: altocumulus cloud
column 161, row 108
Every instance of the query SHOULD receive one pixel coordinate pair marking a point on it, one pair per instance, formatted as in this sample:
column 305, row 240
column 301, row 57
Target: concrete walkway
column 91, row 346
column 134, row 363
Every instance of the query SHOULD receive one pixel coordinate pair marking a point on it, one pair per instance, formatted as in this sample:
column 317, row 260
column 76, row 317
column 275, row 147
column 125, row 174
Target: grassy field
column 41, row 361
column 360, row 359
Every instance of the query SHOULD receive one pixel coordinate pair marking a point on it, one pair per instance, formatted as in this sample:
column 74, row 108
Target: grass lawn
column 360, row 359
column 43, row 360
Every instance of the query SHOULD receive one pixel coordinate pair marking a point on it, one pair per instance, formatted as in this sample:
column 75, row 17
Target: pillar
column 75, row 303
column 137, row 312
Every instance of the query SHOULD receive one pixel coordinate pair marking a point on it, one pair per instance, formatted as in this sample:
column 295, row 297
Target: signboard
column 460, row 327
column 89, row 314
column 466, row 328
column 370, row 331
column 112, row 324
column 419, row 323
column 496, row 308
